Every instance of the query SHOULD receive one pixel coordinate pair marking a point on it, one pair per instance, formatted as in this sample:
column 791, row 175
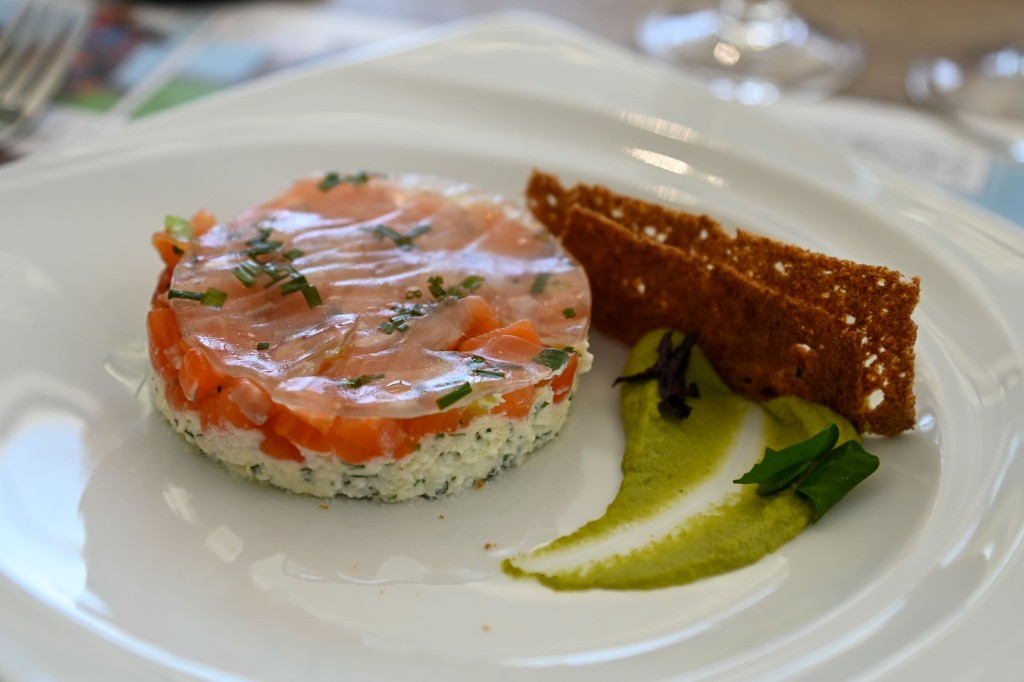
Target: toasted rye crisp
column 774, row 319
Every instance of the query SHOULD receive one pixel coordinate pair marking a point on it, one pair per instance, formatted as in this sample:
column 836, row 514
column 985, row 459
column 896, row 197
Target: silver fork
column 37, row 46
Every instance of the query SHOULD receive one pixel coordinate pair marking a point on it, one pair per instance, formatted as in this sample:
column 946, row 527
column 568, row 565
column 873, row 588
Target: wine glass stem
column 754, row 11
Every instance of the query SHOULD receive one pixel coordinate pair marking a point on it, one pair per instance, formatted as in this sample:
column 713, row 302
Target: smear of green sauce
column 665, row 459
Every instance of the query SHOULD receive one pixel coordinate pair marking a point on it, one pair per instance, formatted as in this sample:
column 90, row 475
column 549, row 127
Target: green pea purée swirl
column 665, row 462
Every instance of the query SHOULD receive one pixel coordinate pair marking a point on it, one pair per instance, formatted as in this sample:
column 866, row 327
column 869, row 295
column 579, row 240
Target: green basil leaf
column 784, row 478
column 552, row 358
column 447, row 400
column 776, row 461
column 837, row 474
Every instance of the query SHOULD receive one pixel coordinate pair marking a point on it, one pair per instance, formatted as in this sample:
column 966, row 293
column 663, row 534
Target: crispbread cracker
column 774, row 319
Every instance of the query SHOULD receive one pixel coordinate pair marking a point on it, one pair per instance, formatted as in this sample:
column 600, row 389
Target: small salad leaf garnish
column 821, row 473
column 360, row 381
column 178, row 227
column 552, row 358
column 670, row 371
column 402, row 241
column 569, row 313
column 455, row 396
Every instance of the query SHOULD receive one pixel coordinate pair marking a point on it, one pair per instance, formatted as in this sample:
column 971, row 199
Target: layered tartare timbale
column 378, row 336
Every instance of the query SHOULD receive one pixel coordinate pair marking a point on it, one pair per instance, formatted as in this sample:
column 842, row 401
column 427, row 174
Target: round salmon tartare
column 367, row 335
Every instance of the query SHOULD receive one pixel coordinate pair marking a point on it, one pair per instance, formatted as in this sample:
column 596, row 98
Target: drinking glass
column 981, row 93
column 751, row 51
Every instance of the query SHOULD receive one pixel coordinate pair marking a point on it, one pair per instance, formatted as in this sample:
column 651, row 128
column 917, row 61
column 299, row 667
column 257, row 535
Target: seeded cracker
column 774, row 319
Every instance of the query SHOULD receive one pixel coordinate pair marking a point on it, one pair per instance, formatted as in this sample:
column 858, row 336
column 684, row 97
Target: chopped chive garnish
column 407, row 312
column 262, row 248
column 568, row 313
column 436, row 287
column 244, row 276
column 332, row 179
column 477, row 359
column 418, row 230
column 329, row 181
column 263, row 345
column 278, row 273
column 414, row 293
column 312, row 296
column 455, row 396
column 250, row 270
column 460, row 290
column 296, row 284
column 402, row 241
column 188, row 295
column 265, row 233
column 397, row 322
column 552, row 358
column 385, row 232
column 360, row 381
column 178, row 227
column 540, row 282
column 472, row 283
column 213, row 298
column 489, row 373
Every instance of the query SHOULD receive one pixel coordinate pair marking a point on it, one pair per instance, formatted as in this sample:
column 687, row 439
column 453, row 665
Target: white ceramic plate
column 126, row 556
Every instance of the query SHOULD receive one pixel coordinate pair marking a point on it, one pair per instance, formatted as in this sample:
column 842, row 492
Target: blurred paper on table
column 142, row 59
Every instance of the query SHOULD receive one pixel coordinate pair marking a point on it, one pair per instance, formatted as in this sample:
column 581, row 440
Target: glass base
column 751, row 59
column 983, row 94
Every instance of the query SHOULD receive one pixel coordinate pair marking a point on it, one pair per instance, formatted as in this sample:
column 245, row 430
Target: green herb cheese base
column 667, row 460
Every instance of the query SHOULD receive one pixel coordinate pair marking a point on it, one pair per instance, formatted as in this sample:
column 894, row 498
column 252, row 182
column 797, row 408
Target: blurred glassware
column 38, row 41
column 750, row 51
column 982, row 94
